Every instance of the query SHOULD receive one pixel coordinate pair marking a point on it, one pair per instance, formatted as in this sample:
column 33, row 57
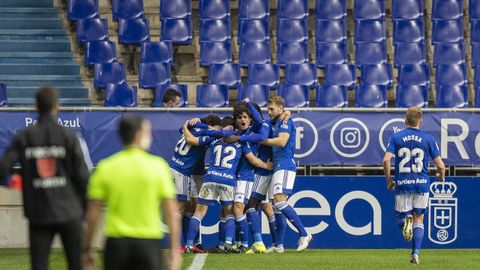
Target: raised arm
column 255, row 161
column 257, row 137
column 257, row 117
column 279, row 141
column 189, row 137
column 386, row 170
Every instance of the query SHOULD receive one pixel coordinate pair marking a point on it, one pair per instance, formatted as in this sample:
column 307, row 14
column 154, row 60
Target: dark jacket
column 53, row 171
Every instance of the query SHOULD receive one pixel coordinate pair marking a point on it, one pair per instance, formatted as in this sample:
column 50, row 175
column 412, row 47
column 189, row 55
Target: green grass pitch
column 369, row 259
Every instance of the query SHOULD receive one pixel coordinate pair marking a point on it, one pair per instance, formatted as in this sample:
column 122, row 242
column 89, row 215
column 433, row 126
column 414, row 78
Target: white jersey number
column 406, row 154
column 230, row 151
column 182, row 146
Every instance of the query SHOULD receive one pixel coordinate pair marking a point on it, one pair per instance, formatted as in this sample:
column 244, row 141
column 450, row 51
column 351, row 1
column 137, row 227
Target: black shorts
column 132, row 253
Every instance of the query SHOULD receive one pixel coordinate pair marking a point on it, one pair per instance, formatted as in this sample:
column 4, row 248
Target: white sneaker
column 414, row 259
column 279, row 249
column 303, row 242
column 407, row 228
column 270, row 249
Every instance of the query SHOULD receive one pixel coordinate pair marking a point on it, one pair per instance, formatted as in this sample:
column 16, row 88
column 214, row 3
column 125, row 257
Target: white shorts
column 406, row 203
column 211, row 192
column 260, row 186
column 196, row 182
column 182, row 184
column 243, row 191
column 282, row 182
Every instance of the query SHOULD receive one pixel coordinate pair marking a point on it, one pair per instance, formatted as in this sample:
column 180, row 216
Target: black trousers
column 41, row 237
column 132, row 254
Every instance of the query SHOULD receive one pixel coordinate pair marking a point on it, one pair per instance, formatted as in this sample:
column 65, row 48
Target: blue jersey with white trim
column 224, row 160
column 413, row 150
column 186, row 156
column 245, row 169
column 283, row 156
column 265, row 152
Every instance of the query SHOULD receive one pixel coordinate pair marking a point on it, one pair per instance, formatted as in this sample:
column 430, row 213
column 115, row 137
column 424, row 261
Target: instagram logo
column 350, row 137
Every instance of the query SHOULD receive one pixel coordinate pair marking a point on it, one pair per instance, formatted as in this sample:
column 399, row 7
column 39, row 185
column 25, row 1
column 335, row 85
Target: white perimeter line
column 198, row 262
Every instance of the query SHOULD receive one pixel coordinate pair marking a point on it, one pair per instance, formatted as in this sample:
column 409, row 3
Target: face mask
column 146, row 142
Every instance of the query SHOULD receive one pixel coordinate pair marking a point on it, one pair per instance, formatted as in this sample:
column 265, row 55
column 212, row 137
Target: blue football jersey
column 283, row 156
column 186, row 156
column 224, row 160
column 413, row 150
column 245, row 169
column 265, row 153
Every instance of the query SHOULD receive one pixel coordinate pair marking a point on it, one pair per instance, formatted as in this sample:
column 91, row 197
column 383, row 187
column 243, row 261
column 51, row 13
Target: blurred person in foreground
column 136, row 187
column 55, row 179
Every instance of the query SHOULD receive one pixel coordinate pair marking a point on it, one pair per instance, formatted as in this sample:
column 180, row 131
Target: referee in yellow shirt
column 135, row 186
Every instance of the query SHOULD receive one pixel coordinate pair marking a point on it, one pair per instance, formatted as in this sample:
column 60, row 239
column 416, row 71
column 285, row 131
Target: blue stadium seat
column 292, row 9
column 215, row 30
column 367, row 31
column 448, row 53
column 474, row 9
column 92, row 29
column 255, row 92
column 212, row 95
column 294, row 95
column 292, row 30
column 253, row 31
column 371, row 96
column 447, row 9
column 369, row 9
column 127, row 9
column 451, row 74
column 452, row 96
column 449, row 31
column 253, row 9
column 134, row 31
column 475, row 31
column 414, row 74
column 109, row 73
column 370, row 53
column 177, row 31
column 120, row 95
column 255, row 53
column 264, row 74
column 341, row 74
column 475, row 54
column 330, row 30
column 302, row 74
column 407, row 9
column 408, row 31
column 412, row 96
column 99, row 52
column 215, row 53
column 409, row 53
column 160, row 90
column 151, row 74
column 82, row 9
column 380, row 74
column 156, row 52
column 225, row 74
column 3, row 95
column 214, row 9
column 331, row 9
column 332, row 96
column 175, row 9
column 292, row 53
column 331, row 53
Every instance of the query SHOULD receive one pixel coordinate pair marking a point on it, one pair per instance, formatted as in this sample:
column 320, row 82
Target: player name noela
column 412, row 138
column 73, row 123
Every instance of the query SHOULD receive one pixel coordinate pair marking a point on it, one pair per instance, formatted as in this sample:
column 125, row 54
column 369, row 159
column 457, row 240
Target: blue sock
column 221, row 235
column 185, row 222
column 193, row 228
column 280, row 225
column 292, row 216
column 254, row 222
column 417, row 237
column 271, row 225
column 229, row 229
column 242, row 224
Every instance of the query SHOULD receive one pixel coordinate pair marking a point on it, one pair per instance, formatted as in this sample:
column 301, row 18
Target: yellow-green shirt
column 132, row 183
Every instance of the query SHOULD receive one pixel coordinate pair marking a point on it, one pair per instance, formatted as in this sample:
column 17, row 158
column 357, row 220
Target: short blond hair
column 413, row 116
column 277, row 100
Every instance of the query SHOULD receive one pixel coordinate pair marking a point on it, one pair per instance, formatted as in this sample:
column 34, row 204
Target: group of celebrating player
column 251, row 164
